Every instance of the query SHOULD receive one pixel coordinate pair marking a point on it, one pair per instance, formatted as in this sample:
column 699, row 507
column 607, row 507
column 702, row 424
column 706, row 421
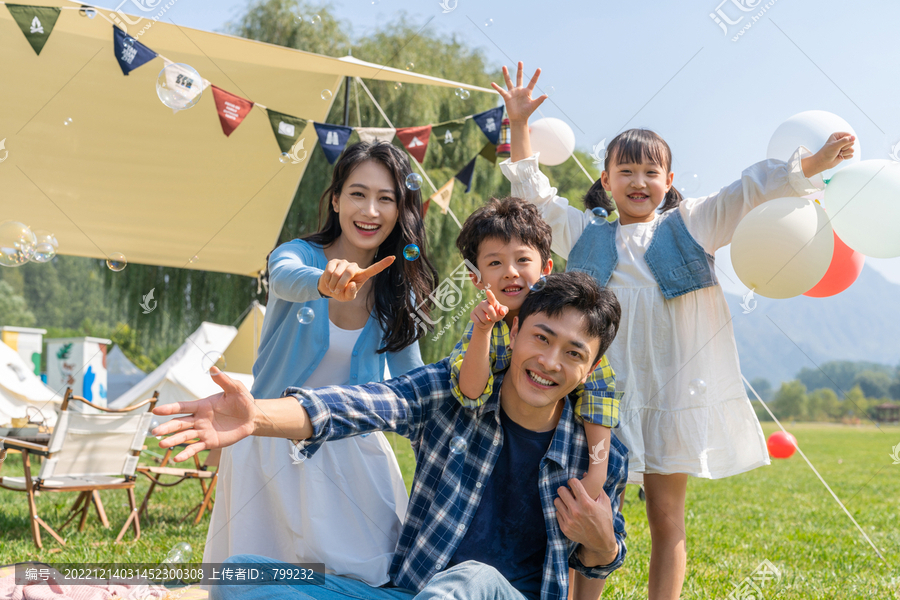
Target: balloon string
column 827, row 487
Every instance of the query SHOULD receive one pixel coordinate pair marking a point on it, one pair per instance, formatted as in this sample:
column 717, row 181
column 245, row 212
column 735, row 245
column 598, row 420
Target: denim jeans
column 466, row 581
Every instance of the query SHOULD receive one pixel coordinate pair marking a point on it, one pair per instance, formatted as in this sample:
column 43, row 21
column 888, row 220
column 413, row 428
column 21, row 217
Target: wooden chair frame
column 89, row 494
column 200, row 473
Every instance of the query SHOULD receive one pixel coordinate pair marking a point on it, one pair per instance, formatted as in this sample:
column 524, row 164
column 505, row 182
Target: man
column 490, row 512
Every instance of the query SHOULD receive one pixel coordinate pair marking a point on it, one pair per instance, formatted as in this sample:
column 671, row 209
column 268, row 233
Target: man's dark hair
column 505, row 219
column 580, row 291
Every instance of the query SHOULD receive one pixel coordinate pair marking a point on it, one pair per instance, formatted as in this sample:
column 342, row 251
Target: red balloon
column 781, row 444
column 846, row 265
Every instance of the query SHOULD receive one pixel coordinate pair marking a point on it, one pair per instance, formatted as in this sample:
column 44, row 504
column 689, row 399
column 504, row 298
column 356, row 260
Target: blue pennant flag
column 465, row 176
column 332, row 138
column 489, row 121
column 130, row 53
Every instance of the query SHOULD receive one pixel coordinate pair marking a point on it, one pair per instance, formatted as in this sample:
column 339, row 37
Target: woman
column 327, row 323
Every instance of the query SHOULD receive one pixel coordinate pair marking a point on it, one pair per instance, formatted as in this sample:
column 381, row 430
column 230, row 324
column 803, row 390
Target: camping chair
column 200, row 473
column 87, row 453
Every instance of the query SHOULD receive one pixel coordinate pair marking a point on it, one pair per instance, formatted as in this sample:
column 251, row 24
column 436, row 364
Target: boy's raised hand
column 519, row 103
column 488, row 312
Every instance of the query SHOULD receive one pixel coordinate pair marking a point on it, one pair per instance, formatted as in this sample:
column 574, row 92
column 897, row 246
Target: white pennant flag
column 376, row 134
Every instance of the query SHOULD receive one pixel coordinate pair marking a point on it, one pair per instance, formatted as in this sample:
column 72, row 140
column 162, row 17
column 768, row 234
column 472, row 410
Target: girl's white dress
column 668, row 424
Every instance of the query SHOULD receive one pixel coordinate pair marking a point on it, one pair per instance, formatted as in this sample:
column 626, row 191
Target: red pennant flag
column 425, row 207
column 232, row 109
column 415, row 140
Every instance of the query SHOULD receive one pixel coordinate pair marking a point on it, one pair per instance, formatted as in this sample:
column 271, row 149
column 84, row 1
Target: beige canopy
column 127, row 175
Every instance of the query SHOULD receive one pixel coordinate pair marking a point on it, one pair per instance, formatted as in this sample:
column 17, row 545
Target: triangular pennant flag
column 448, row 136
column 465, row 176
column 332, row 138
column 232, row 109
column 442, row 196
column 130, row 53
column 36, row 22
column 415, row 140
column 184, row 87
column 425, row 207
column 489, row 121
column 287, row 129
column 489, row 152
column 376, row 134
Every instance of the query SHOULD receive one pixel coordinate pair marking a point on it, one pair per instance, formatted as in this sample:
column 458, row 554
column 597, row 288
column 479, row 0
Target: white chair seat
column 62, row 482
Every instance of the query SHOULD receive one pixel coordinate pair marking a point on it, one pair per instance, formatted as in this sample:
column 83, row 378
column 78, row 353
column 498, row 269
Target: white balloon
column 554, row 139
column 812, row 129
column 863, row 202
column 783, row 248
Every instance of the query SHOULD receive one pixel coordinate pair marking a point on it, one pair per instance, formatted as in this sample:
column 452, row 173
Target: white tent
column 20, row 388
column 184, row 376
column 121, row 374
column 241, row 353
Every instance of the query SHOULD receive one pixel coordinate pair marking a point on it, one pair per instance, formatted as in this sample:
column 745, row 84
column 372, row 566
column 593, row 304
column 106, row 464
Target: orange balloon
column 846, row 265
column 781, row 444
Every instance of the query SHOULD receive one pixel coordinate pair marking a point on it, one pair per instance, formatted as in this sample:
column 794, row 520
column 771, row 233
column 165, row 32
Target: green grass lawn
column 781, row 513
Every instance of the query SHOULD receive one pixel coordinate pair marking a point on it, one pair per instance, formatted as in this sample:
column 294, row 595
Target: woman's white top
column 662, row 346
column 343, row 507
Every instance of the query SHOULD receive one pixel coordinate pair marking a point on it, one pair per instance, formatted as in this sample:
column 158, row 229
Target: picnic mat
column 10, row 591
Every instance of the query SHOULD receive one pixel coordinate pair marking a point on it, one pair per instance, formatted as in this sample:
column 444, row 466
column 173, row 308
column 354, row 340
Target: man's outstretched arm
column 228, row 417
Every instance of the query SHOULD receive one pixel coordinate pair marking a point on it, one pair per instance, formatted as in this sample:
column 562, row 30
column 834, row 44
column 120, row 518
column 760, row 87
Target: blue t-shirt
column 508, row 530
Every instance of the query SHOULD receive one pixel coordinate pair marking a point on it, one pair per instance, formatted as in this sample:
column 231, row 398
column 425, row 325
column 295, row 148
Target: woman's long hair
column 405, row 283
column 634, row 146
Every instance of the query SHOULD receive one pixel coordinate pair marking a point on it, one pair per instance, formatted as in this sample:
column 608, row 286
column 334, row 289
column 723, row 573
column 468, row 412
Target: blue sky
column 670, row 67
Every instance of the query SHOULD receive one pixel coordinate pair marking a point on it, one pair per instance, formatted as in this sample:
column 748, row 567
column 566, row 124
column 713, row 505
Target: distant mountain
column 779, row 337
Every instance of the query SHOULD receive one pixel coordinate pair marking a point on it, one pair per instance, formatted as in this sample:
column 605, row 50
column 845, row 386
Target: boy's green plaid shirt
column 596, row 401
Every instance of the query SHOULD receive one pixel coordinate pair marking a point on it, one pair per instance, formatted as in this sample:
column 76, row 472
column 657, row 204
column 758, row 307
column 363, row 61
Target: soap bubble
column 314, row 19
column 458, row 445
column 194, row 260
column 398, row 85
column 488, row 22
column 284, row 158
column 413, row 181
column 179, row 86
column 410, row 66
column 116, row 262
column 689, row 185
column 90, row 13
column 45, row 248
column 211, row 359
column 462, row 93
column 128, row 42
column 17, row 243
column 539, row 284
column 411, row 252
column 179, row 553
column 306, row 315
column 298, row 18
column 154, row 423
column 68, row 121
column 326, row 95
column 697, row 387
column 550, row 90
column 598, row 216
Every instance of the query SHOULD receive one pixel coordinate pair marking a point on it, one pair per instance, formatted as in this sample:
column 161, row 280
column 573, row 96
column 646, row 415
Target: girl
column 327, row 324
column 684, row 410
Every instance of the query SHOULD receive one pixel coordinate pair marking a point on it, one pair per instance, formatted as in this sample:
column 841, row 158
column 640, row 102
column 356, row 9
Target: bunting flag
column 489, row 121
column 465, row 176
column 232, row 109
column 415, row 140
column 448, row 136
column 36, row 22
column 287, row 129
column 130, row 53
column 183, row 88
column 332, row 138
column 425, row 207
column 376, row 134
column 489, row 152
column 442, row 196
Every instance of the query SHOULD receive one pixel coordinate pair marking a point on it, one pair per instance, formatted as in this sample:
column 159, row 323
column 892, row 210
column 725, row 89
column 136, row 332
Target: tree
column 839, row 375
column 874, row 384
column 790, row 401
column 13, row 308
column 823, row 404
column 762, row 387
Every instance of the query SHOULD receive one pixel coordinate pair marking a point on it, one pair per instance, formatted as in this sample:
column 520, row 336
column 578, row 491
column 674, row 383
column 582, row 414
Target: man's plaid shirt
column 447, row 487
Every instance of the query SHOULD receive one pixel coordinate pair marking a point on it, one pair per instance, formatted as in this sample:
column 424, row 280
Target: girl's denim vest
column 678, row 263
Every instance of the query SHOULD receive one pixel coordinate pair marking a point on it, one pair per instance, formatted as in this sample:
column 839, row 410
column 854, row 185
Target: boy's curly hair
column 505, row 219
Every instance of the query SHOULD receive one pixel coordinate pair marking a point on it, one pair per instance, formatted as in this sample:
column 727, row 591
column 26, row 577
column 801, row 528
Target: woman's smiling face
column 367, row 205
